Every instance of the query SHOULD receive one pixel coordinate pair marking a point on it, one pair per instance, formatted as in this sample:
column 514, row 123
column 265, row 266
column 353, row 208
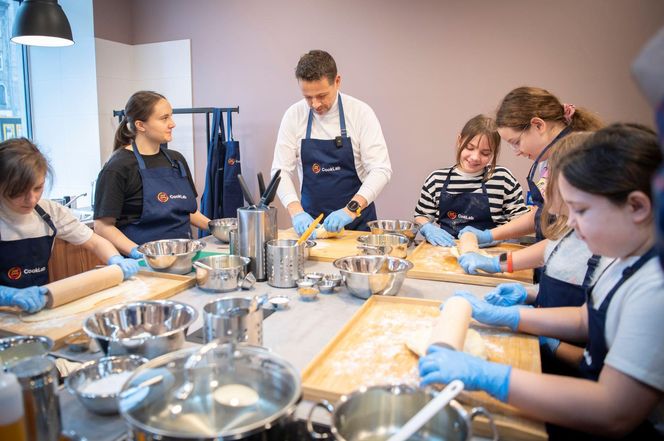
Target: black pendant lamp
column 41, row 23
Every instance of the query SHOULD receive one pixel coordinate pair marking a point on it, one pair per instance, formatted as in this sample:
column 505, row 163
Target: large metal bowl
column 77, row 382
column 13, row 349
column 407, row 228
column 225, row 274
column 148, row 328
column 173, row 256
column 391, row 244
column 221, row 228
column 373, row 275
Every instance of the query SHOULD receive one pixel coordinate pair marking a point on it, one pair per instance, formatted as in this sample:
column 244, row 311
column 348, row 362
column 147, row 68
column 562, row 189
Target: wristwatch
column 354, row 207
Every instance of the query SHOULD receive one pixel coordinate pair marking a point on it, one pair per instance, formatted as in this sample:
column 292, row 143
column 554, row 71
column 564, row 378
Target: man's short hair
column 315, row 65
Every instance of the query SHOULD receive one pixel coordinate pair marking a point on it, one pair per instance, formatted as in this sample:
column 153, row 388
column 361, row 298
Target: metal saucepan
column 220, row 273
column 390, row 244
column 378, row 412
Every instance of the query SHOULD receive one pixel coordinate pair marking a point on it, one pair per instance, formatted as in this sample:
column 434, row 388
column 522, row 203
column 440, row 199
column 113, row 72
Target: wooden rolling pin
column 452, row 325
column 81, row 285
column 468, row 244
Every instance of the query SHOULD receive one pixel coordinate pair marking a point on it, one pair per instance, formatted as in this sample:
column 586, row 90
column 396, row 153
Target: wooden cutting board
column 370, row 350
column 59, row 322
column 329, row 250
column 437, row 263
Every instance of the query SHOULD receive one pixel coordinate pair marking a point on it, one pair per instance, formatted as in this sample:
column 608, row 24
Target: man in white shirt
column 337, row 146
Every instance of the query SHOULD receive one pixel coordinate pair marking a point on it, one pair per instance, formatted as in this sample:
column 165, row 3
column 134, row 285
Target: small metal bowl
column 13, row 349
column 102, row 402
column 173, row 256
column 336, row 278
column 314, row 277
column 327, row 286
column 308, row 293
column 279, row 302
column 146, row 328
column 221, row 228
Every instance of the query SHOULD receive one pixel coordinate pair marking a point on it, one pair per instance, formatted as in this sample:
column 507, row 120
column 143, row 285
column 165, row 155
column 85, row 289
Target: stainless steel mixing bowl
column 373, row 275
column 407, row 228
column 173, row 256
column 147, row 328
column 221, row 228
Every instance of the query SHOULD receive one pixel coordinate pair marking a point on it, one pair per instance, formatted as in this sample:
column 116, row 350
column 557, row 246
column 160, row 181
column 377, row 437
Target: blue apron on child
column 168, row 200
column 329, row 176
column 24, row 262
column 459, row 210
column 593, row 359
column 555, row 293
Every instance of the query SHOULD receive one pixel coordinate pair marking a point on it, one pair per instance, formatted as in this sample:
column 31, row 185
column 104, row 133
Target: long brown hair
column 21, row 165
column 483, row 126
column 554, row 227
column 139, row 108
column 524, row 103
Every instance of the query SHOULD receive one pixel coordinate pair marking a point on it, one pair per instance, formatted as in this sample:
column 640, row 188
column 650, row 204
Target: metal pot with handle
column 378, row 412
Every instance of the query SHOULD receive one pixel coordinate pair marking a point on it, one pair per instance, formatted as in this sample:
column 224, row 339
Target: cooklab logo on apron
column 454, row 215
column 14, row 273
column 315, row 168
column 162, row 197
column 232, row 161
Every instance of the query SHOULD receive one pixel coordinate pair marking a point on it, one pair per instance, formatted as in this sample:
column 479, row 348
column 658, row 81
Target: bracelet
column 510, row 263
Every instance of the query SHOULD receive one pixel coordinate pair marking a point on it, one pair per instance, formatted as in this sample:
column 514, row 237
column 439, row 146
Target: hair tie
column 568, row 112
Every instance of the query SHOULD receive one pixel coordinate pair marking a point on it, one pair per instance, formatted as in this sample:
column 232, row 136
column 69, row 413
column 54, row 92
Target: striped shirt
column 504, row 191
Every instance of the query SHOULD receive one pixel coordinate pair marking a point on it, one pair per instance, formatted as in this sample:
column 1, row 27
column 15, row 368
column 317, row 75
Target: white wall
column 123, row 69
column 64, row 105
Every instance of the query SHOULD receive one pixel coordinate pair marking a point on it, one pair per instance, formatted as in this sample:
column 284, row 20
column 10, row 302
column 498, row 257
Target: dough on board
column 235, row 395
column 474, row 344
column 322, row 233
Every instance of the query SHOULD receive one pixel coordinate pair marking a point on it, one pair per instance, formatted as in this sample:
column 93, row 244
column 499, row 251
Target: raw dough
column 322, row 233
column 235, row 395
column 419, row 342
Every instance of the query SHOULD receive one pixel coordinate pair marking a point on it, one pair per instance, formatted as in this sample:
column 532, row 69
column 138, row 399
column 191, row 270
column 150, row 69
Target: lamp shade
column 41, row 23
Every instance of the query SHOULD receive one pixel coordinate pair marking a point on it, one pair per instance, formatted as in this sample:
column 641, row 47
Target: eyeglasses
column 515, row 145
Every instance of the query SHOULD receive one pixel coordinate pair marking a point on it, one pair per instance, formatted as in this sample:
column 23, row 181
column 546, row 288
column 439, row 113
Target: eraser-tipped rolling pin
column 452, row 324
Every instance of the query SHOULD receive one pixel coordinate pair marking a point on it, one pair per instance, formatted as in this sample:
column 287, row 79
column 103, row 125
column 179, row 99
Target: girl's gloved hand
column 30, row 299
column 489, row 314
column 442, row 365
column 507, row 294
column 129, row 267
column 436, row 236
column 471, row 262
column 135, row 254
column 301, row 222
column 484, row 237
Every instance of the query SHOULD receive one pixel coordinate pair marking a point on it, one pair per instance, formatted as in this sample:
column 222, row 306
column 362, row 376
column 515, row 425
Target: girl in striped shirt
column 473, row 192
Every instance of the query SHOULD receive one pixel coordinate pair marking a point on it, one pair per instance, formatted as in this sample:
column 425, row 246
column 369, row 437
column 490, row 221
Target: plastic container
column 12, row 413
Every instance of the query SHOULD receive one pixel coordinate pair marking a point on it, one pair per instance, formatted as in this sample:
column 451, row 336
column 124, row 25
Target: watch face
column 353, row 205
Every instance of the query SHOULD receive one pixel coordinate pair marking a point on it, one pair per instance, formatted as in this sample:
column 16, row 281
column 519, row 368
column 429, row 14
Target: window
column 14, row 111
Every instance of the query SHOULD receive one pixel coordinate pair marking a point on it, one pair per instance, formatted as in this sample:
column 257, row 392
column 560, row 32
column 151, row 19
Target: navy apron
column 24, row 262
column 168, row 200
column 456, row 211
column 329, row 177
column 536, row 195
column 593, row 358
column 554, row 293
column 231, row 192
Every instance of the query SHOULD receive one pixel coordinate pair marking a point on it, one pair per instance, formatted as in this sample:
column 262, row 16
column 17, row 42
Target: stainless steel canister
column 39, row 380
column 256, row 227
column 233, row 319
column 285, row 262
column 233, row 243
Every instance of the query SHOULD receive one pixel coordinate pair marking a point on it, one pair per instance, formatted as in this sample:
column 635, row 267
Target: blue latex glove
column 507, row 294
column 489, row 314
column 129, row 267
column 336, row 220
column 484, row 237
column 549, row 344
column 442, row 365
column 471, row 262
column 30, row 299
column 135, row 254
column 436, row 236
column 301, row 222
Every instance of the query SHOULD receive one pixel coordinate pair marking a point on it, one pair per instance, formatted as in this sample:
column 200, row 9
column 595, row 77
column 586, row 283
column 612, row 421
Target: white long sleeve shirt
column 372, row 161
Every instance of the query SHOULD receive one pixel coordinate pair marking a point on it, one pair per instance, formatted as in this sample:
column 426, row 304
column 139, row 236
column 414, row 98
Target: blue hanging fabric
column 232, row 193
column 211, row 201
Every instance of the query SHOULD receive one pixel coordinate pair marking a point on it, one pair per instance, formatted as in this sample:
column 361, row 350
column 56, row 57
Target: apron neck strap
column 141, row 161
column 342, row 120
column 564, row 132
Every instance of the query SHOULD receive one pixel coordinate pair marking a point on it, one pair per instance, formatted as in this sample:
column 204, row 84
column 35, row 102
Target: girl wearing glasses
column 531, row 120
column 472, row 192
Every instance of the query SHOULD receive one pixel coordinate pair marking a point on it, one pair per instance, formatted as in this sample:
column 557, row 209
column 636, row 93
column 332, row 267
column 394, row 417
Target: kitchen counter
column 296, row 334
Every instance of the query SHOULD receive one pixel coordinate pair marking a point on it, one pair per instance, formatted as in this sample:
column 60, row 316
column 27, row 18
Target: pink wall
column 425, row 66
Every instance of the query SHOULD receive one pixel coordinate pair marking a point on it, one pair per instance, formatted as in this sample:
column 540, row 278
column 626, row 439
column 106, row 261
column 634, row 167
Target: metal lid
column 186, row 393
